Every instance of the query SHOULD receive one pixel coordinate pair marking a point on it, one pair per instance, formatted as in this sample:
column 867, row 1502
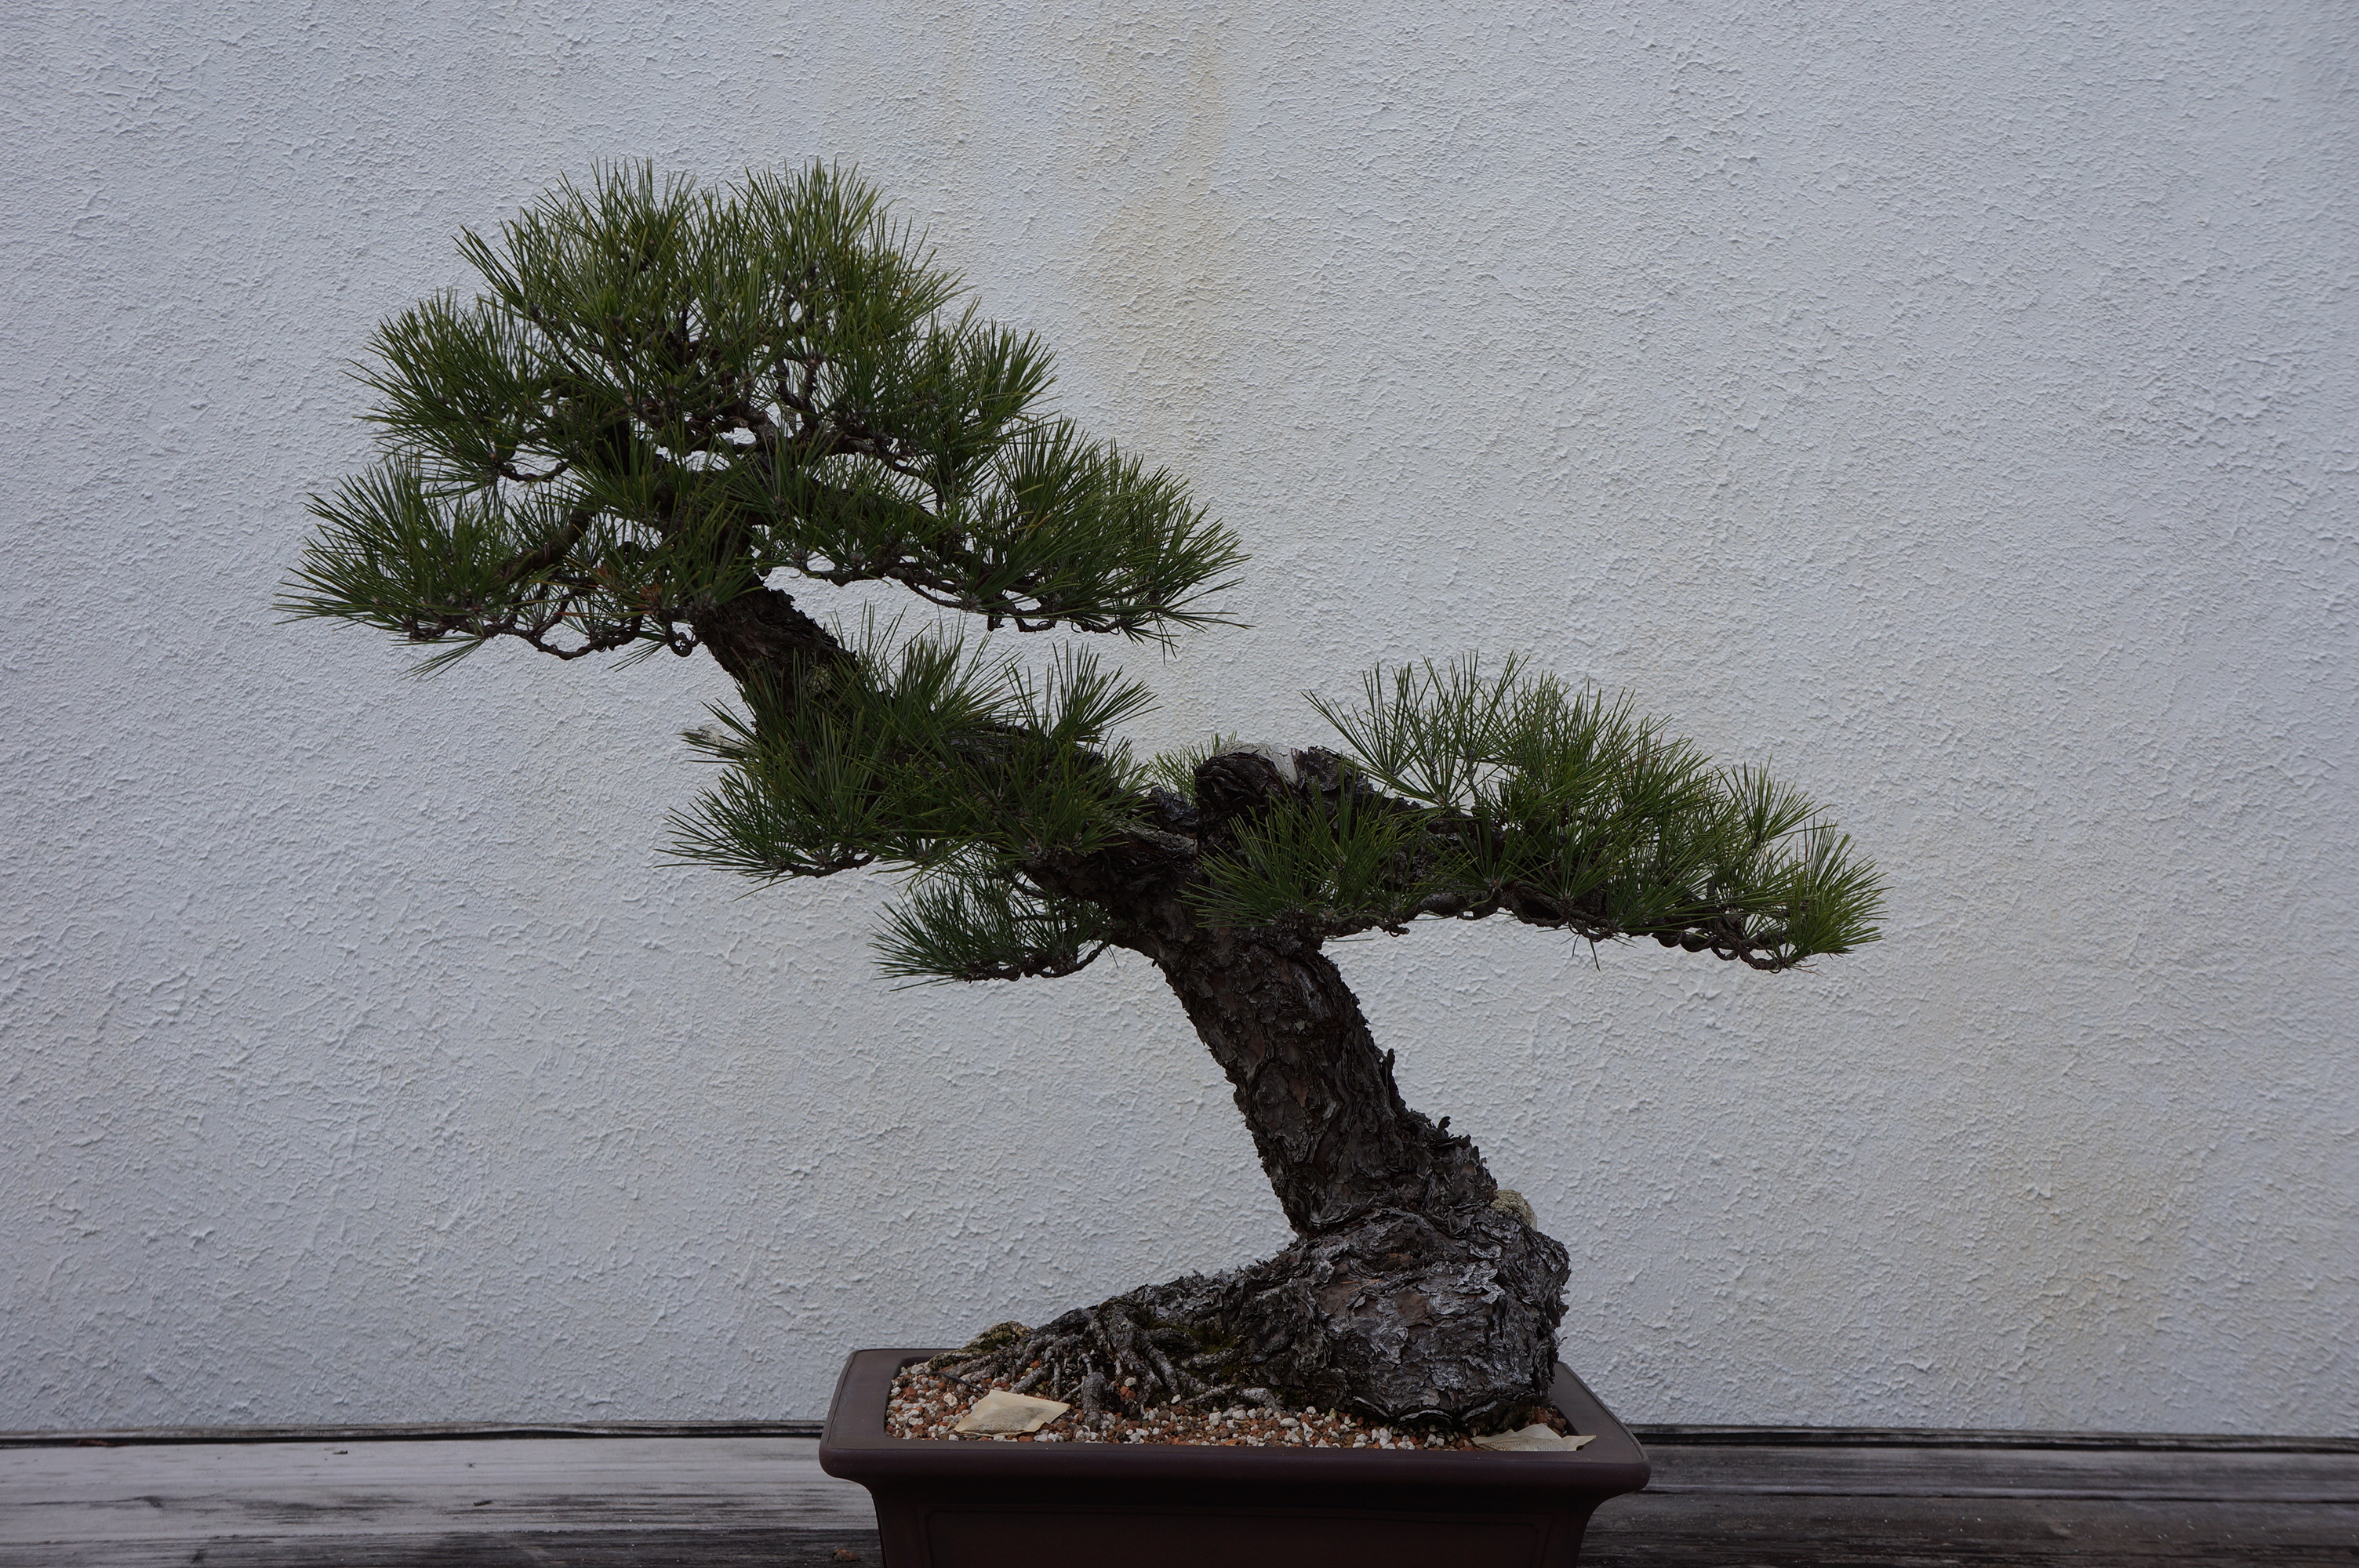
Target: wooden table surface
column 719, row 1501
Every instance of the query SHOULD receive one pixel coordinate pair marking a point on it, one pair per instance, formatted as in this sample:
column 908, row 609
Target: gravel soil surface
column 927, row 1406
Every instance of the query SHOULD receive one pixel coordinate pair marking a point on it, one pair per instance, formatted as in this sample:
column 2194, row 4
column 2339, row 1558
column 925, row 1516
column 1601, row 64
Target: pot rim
column 856, row 1446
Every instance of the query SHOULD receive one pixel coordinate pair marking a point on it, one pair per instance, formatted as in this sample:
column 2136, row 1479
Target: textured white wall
column 1955, row 402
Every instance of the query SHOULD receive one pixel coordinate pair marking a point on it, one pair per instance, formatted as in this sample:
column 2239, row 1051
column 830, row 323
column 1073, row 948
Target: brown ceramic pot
column 1001, row 1505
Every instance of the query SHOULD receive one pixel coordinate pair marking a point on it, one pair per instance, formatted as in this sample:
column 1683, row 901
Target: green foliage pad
column 663, row 394
column 1466, row 795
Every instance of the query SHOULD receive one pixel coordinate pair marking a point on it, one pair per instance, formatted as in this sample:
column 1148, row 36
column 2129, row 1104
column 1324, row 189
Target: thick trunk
column 1408, row 1293
column 1326, row 1117
column 762, row 640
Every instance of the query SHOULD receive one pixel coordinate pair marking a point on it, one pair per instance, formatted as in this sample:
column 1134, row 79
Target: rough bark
column 1411, row 1292
column 761, row 639
column 1326, row 1116
column 1445, row 1318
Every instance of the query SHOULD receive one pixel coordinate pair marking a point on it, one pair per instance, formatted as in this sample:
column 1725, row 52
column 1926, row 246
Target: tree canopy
column 663, row 394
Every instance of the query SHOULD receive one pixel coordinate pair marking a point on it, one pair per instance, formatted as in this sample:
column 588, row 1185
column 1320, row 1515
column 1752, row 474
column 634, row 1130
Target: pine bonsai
column 666, row 395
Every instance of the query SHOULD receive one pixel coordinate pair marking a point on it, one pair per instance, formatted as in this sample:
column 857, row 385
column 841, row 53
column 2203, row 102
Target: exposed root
column 1143, row 1347
column 1407, row 1318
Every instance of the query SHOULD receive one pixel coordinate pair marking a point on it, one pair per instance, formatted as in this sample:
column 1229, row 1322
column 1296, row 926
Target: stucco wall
column 1955, row 403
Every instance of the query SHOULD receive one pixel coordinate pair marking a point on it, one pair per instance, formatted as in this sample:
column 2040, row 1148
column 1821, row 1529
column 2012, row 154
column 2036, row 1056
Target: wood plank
column 416, row 1501
column 722, row 1502
column 1955, row 1437
column 483, row 1548
column 1717, row 1530
column 1717, row 1506
column 2153, row 1476
column 122, row 1436
column 1652, row 1436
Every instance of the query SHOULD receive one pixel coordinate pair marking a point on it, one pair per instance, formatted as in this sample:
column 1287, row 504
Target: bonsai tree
column 664, row 397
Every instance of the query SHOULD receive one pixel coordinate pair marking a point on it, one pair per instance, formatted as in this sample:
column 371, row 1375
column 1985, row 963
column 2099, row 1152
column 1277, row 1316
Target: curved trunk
column 1408, row 1292
column 1327, row 1118
column 762, row 641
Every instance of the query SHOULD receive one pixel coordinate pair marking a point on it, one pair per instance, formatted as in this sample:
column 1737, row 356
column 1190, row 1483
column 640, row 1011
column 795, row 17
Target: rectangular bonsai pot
column 984, row 1505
